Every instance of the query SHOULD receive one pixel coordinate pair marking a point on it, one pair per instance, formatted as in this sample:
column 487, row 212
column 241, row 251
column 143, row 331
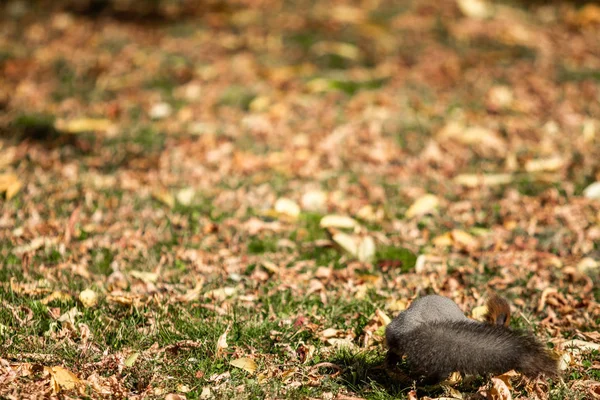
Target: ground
column 230, row 199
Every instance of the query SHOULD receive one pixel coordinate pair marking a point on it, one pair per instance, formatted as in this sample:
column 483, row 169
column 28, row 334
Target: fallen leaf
column 83, row 125
column 592, row 191
column 423, row 205
column 245, row 363
column 314, row 200
column 347, row 242
column 545, row 164
column 500, row 390
column 221, row 293
column 588, row 265
column 366, row 249
column 62, row 379
column 476, row 9
column 164, row 196
column 186, row 196
column 88, row 298
column 337, row 221
column 129, row 361
column 175, row 396
column 222, row 343
column 464, row 240
column 70, row 316
column 148, row 277
column 10, row 185
column 58, row 295
column 476, row 180
column 287, row 207
column 206, row 393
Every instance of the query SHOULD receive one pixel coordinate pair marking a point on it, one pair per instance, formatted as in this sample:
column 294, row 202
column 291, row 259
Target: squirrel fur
column 438, row 339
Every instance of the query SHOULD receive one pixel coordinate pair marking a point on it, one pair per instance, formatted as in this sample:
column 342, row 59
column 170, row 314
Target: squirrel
column 439, row 339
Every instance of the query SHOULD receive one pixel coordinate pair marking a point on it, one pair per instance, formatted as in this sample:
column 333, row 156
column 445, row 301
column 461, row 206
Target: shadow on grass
column 364, row 373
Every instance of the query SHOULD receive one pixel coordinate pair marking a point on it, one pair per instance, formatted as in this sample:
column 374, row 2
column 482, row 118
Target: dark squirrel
column 438, row 339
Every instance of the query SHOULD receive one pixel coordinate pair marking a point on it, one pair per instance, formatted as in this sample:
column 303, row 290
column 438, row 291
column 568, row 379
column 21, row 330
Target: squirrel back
column 438, row 339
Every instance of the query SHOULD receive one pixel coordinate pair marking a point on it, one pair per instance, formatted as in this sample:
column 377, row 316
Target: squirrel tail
column 498, row 311
column 434, row 350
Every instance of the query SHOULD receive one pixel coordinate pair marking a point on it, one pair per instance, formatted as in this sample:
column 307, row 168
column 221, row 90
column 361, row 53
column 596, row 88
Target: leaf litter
column 171, row 186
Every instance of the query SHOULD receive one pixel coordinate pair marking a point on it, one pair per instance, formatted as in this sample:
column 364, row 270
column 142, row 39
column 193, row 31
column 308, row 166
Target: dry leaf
column 476, row 180
column 499, row 97
column 245, row 363
column 186, row 196
column 314, row 200
column 88, row 298
column 164, row 196
column 129, row 361
column 58, row 295
column 338, row 221
column 70, row 316
column 347, row 242
column 222, row 343
column 348, row 14
column 330, row 332
column 545, row 164
column 287, row 207
column 477, row 9
column 588, row 265
column 175, row 396
column 62, row 379
column 592, row 191
column 221, row 293
column 10, row 185
column 366, row 249
column 368, row 213
column 148, row 277
column 464, row 240
column 444, row 240
column 383, row 318
column 83, row 125
column 206, row 393
column 423, row 205
column 500, row 390
column 193, row 294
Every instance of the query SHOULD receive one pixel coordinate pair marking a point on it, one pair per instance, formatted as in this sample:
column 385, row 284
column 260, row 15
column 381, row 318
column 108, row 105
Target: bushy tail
column 436, row 349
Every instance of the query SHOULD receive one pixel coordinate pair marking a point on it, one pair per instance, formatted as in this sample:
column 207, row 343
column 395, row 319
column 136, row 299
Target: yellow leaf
column 337, row 221
column 347, row 242
column 245, row 363
column 131, row 359
column 545, row 164
column 61, row 296
column 476, row 180
column 164, row 196
column 476, row 9
column 287, row 207
column 62, row 379
column 88, row 298
column 10, row 185
column 366, row 249
column 464, row 239
column 148, row 277
column 348, row 14
column 444, row 240
column 221, row 293
column 83, row 125
column 423, row 205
